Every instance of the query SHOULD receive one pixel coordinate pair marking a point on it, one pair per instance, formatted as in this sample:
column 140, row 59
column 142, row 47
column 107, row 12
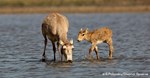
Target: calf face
column 66, row 50
column 82, row 34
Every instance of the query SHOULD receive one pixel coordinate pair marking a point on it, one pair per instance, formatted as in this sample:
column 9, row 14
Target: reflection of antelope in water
column 55, row 28
column 97, row 36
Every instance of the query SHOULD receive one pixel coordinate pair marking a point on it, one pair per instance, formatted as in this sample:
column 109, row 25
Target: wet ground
column 21, row 47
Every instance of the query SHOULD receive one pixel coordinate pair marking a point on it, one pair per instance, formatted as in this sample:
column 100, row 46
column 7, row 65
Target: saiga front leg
column 54, row 49
column 59, row 51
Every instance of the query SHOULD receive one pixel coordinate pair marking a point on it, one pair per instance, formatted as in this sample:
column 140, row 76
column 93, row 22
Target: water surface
column 21, row 47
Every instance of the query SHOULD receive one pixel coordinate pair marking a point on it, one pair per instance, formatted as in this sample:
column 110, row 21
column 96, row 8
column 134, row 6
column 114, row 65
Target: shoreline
column 74, row 9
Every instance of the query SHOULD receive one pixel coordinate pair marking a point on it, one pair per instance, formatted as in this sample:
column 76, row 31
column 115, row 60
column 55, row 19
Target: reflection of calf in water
column 97, row 36
column 55, row 28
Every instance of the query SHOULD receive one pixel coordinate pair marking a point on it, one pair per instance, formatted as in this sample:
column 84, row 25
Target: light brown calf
column 55, row 28
column 97, row 36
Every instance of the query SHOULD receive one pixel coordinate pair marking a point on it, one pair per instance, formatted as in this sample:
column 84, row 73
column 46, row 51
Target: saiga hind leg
column 54, row 50
column 110, row 44
column 96, row 51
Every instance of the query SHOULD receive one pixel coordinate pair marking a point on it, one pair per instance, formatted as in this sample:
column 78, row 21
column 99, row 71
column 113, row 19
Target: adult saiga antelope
column 55, row 28
column 97, row 36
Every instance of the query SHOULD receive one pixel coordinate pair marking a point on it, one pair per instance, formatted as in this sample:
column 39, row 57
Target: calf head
column 66, row 50
column 82, row 35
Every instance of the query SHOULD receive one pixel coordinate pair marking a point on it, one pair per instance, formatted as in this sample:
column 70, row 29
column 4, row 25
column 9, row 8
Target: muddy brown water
column 21, row 47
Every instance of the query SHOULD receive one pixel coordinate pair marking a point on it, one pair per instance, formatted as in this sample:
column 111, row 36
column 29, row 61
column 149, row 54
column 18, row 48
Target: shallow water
column 22, row 45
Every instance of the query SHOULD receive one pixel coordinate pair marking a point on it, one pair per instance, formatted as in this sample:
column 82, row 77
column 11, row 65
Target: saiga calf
column 97, row 36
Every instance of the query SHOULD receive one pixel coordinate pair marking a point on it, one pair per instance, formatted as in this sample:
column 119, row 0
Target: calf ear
column 61, row 42
column 86, row 30
column 71, row 41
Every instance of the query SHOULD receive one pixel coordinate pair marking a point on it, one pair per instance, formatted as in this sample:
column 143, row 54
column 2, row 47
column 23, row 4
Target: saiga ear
column 72, row 46
column 71, row 41
column 81, row 29
column 64, row 47
column 86, row 30
column 61, row 42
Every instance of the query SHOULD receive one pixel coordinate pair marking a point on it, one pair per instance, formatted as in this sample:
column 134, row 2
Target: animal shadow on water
column 55, row 63
column 85, row 61
column 94, row 60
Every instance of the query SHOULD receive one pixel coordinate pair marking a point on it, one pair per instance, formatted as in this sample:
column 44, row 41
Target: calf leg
column 96, row 51
column 91, row 50
column 110, row 44
column 54, row 49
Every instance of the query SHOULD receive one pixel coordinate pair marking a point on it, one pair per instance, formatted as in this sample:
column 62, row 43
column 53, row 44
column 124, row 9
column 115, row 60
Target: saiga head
column 67, row 50
column 82, row 34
